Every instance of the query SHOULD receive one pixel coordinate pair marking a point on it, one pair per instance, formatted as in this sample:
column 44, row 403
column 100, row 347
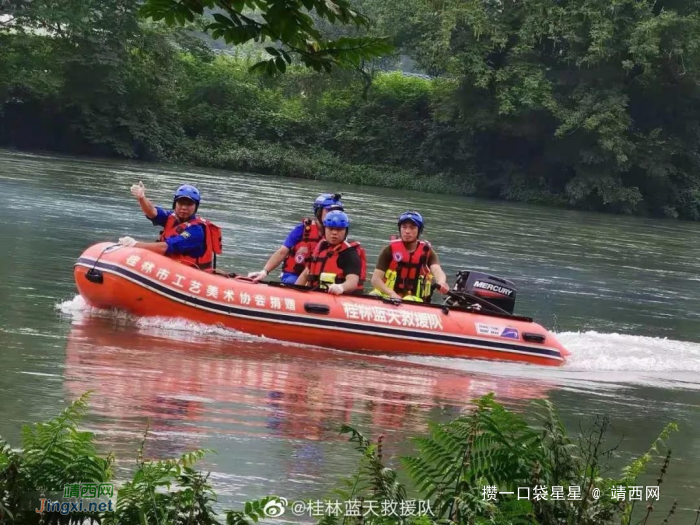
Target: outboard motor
column 495, row 290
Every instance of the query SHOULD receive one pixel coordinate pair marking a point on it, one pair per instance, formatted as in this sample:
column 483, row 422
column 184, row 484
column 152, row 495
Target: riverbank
column 186, row 105
column 318, row 164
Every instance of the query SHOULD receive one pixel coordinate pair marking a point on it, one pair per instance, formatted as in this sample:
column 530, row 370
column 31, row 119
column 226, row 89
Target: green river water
column 622, row 294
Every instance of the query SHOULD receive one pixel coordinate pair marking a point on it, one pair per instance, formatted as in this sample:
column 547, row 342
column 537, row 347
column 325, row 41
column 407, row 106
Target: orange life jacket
column 299, row 254
column 212, row 239
column 408, row 272
column 323, row 264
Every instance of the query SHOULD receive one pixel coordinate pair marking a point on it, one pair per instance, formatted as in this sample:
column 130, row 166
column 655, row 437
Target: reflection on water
column 271, row 411
column 192, row 384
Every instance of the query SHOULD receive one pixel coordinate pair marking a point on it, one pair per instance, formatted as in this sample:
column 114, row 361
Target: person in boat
column 300, row 243
column 336, row 265
column 185, row 237
column 407, row 267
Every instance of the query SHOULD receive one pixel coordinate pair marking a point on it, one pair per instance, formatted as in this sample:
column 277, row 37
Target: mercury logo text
column 492, row 287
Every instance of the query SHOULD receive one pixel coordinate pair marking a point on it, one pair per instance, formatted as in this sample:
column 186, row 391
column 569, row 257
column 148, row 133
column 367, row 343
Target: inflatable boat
column 144, row 283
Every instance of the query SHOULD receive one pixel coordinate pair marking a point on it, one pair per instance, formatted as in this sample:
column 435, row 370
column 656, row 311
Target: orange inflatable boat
column 147, row 284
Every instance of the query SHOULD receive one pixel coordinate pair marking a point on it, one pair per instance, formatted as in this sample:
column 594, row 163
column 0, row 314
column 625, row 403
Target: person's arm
column 350, row 283
column 191, row 239
column 294, row 237
column 272, row 263
column 139, row 191
column 351, row 264
column 303, row 278
column 439, row 278
column 156, row 247
column 148, row 208
column 275, row 259
column 378, row 283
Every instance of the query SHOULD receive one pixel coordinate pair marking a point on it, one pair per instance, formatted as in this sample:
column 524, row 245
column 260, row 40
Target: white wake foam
column 592, row 351
column 77, row 309
column 74, row 307
column 606, row 357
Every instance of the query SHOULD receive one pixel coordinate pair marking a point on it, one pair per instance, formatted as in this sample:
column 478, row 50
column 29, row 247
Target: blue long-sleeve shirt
column 191, row 242
column 295, row 236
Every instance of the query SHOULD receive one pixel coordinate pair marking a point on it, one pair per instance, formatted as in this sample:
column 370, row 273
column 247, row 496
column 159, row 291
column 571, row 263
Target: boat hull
column 147, row 284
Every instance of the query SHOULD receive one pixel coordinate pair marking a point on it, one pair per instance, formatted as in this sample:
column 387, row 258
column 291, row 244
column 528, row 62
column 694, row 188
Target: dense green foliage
column 489, row 446
column 581, row 103
column 288, row 24
column 592, row 100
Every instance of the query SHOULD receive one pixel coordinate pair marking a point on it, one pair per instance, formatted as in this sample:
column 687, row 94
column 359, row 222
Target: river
column 622, row 294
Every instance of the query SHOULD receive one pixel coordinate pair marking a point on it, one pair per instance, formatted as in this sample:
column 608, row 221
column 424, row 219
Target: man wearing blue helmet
column 301, row 241
column 336, row 265
column 185, row 237
column 406, row 268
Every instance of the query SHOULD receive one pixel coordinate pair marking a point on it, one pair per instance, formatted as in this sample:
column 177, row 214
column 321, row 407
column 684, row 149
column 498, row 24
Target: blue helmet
column 336, row 219
column 187, row 191
column 413, row 216
column 327, row 201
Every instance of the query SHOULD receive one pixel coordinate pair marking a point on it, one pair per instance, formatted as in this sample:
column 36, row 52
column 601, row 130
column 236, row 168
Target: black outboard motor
column 497, row 291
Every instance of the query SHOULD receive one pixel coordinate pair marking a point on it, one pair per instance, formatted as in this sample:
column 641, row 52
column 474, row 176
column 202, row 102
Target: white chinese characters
column 392, row 316
column 543, row 493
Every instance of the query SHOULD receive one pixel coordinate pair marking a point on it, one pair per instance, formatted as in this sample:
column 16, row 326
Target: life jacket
column 408, row 273
column 323, row 264
column 299, row 254
column 212, row 239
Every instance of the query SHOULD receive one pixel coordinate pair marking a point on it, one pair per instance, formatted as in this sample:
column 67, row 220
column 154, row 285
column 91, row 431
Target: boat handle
column 317, row 308
column 94, row 276
column 533, row 338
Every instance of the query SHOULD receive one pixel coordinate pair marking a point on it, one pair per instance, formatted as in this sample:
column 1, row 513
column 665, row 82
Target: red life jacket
column 412, row 274
column 212, row 239
column 299, row 254
column 323, row 264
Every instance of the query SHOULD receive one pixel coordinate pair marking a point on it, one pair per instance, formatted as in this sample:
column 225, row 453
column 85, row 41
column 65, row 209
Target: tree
column 588, row 99
column 87, row 76
column 286, row 24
